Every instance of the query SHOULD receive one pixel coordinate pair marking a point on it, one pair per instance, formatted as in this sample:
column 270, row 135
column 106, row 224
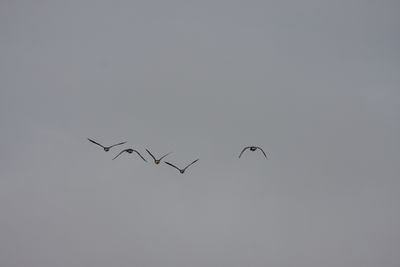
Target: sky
column 314, row 83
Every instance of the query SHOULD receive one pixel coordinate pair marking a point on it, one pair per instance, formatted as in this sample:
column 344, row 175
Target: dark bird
column 106, row 148
column 157, row 161
column 180, row 170
column 253, row 148
column 129, row 150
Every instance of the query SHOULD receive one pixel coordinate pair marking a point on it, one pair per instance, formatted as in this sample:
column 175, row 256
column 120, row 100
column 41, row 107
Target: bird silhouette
column 129, row 150
column 180, row 170
column 157, row 161
column 106, row 148
column 253, row 148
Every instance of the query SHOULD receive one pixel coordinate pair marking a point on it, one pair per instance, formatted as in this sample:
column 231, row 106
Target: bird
column 180, row 170
column 253, row 148
column 129, row 150
column 106, row 148
column 157, row 161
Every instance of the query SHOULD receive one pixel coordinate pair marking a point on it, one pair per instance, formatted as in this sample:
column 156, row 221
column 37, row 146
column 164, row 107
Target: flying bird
column 180, row 170
column 129, row 150
column 106, row 148
column 253, row 148
column 157, row 161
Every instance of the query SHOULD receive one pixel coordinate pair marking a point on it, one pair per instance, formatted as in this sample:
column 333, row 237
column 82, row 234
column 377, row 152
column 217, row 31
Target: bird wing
column 262, row 152
column 165, row 155
column 191, row 164
column 170, row 164
column 243, row 151
column 151, row 154
column 94, row 142
column 140, row 155
column 119, row 154
column 117, row 144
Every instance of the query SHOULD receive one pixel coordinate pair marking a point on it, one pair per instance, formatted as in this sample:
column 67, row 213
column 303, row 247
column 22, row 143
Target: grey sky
column 315, row 83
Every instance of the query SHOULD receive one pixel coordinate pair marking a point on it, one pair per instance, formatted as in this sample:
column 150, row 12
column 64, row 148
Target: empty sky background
column 315, row 83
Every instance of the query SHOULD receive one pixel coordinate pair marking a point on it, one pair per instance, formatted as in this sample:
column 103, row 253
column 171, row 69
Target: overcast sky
column 314, row 82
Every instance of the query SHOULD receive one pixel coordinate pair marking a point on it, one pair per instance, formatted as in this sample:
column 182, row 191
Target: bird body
column 106, row 148
column 179, row 169
column 157, row 161
column 130, row 151
column 253, row 148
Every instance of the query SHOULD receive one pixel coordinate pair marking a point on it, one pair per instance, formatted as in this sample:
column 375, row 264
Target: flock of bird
column 157, row 161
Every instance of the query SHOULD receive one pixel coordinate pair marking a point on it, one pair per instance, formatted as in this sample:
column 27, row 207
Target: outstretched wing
column 151, row 154
column 94, row 142
column 243, row 151
column 140, row 155
column 191, row 164
column 117, row 144
column 119, row 154
column 170, row 164
column 165, row 155
column 262, row 152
